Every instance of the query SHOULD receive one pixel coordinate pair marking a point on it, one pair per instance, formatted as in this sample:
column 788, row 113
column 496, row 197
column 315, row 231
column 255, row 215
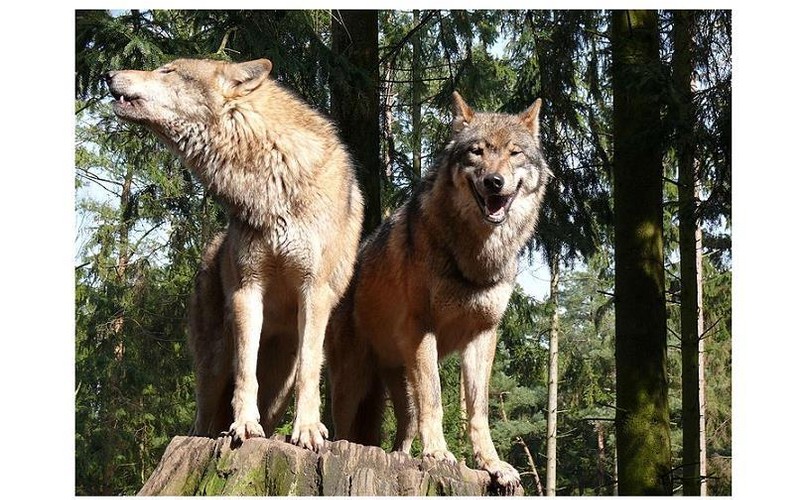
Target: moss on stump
column 203, row 466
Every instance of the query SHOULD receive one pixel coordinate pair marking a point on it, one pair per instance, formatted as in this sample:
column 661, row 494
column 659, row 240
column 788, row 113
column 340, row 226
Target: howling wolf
column 436, row 278
column 266, row 287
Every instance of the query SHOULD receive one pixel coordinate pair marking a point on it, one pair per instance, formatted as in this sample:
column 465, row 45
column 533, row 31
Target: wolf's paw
column 245, row 429
column 440, row 455
column 309, row 436
column 505, row 477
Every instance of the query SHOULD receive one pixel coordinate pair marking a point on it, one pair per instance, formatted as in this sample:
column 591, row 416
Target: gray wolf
column 435, row 278
column 267, row 286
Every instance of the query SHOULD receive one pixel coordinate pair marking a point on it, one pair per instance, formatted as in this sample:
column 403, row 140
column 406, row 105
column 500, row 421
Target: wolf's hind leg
column 353, row 401
column 351, row 371
column 211, row 346
column 213, row 393
column 276, row 370
column 369, row 415
column 405, row 415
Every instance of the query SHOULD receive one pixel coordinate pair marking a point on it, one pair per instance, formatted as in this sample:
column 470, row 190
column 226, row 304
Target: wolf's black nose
column 493, row 182
column 108, row 76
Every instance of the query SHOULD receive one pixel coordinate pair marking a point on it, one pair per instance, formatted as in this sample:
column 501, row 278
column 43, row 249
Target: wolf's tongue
column 496, row 203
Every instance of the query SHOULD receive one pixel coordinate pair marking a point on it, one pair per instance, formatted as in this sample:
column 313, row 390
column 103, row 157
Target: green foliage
column 143, row 222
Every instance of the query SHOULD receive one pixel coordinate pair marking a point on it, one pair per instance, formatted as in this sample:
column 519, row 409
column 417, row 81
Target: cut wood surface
column 204, row 466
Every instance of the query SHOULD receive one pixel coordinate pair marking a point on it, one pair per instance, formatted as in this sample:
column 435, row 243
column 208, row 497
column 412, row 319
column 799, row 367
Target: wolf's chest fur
column 263, row 188
column 459, row 312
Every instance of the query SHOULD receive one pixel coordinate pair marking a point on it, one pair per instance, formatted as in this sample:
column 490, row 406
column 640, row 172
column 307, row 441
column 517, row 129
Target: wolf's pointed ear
column 531, row 117
column 462, row 113
column 247, row 76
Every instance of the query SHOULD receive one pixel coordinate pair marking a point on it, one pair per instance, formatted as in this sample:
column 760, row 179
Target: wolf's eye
column 165, row 70
column 515, row 152
column 477, row 150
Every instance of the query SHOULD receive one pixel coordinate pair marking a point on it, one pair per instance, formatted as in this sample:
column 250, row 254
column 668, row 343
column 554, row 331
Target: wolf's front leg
column 423, row 371
column 315, row 305
column 477, row 362
column 247, row 322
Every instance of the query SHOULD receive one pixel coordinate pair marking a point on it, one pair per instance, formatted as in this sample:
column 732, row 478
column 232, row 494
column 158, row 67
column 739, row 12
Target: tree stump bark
column 204, row 466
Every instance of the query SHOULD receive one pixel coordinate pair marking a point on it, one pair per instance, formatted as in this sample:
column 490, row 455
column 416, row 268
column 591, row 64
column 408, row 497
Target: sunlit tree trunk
column 642, row 414
column 691, row 320
column 388, row 120
column 551, row 421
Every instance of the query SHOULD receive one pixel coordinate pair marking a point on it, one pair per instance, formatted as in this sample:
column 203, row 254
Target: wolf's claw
column 241, row 431
column 440, row 455
column 505, row 476
column 309, row 436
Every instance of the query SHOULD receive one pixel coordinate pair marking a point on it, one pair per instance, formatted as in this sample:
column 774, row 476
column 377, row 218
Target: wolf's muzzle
column 493, row 183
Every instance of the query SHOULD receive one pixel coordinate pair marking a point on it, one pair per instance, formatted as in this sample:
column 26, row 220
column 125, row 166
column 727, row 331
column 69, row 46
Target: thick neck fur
column 257, row 154
column 483, row 254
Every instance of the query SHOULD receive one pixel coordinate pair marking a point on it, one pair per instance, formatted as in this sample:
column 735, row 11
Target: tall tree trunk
column 551, row 424
column 601, row 456
column 691, row 321
column 388, row 119
column 416, row 97
column 463, row 408
column 642, row 415
column 116, row 335
column 355, row 100
column 615, row 471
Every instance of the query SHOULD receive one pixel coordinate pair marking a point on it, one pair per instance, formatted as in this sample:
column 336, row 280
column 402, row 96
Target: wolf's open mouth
column 124, row 100
column 494, row 207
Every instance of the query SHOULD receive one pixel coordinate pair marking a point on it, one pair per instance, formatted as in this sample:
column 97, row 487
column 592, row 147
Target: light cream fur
column 266, row 287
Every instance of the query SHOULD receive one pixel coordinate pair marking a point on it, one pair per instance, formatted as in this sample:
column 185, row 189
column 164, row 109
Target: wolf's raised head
column 183, row 94
column 496, row 159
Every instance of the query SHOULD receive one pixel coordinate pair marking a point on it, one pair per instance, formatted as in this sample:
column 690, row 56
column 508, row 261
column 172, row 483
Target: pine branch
column 225, row 41
column 92, row 101
column 395, row 48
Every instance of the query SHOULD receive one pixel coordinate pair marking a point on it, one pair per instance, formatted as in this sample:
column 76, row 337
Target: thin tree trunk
column 355, row 100
column 462, row 408
column 601, row 456
column 691, row 320
column 122, row 264
column 551, row 424
column 416, row 98
column 388, row 119
column 116, row 334
column 642, row 414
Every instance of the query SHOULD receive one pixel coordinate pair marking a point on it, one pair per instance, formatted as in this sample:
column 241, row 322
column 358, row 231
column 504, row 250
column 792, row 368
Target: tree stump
column 204, row 466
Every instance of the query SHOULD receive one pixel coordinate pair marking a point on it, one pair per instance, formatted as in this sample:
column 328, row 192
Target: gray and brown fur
column 267, row 285
column 435, row 278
